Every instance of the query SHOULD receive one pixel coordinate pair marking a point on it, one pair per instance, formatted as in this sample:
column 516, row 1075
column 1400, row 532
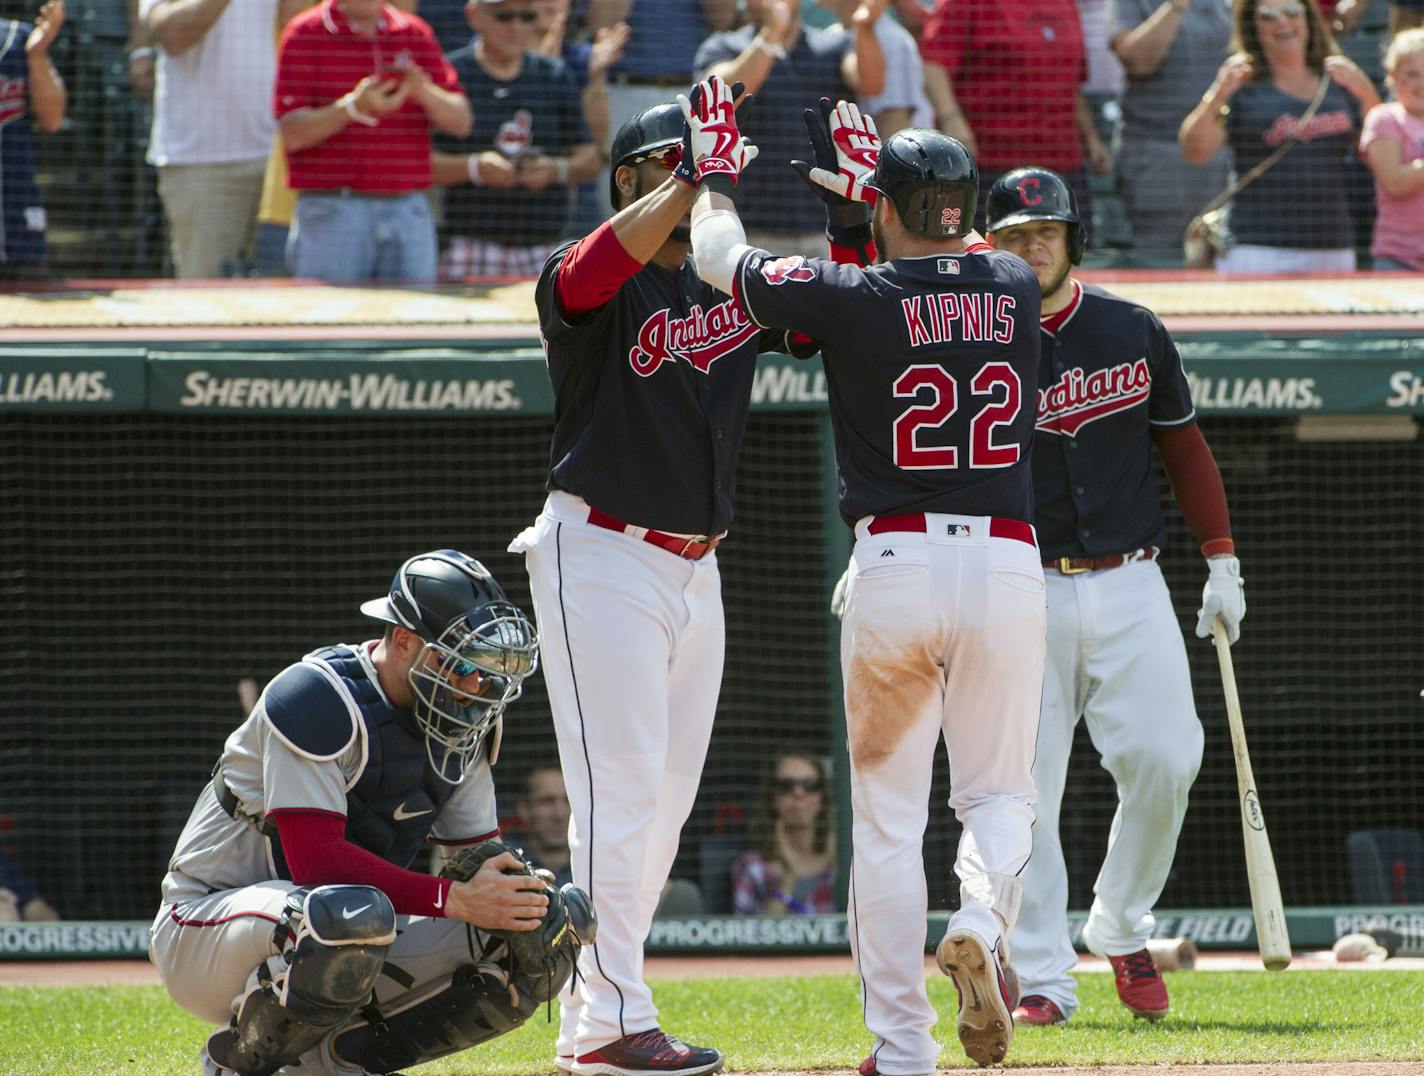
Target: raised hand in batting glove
column 1223, row 596
column 847, row 151
column 847, row 220
column 713, row 143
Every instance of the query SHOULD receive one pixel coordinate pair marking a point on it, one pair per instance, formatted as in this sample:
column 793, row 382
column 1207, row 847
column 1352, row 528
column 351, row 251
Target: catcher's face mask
column 464, row 679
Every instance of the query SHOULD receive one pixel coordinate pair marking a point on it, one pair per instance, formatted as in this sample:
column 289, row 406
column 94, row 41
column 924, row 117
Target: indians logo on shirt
column 14, row 99
column 1077, row 399
column 699, row 339
column 780, row 270
column 513, row 136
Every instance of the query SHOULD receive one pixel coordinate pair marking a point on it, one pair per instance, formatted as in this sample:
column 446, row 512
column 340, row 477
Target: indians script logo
column 14, row 102
column 698, row 339
column 1077, row 399
column 780, row 270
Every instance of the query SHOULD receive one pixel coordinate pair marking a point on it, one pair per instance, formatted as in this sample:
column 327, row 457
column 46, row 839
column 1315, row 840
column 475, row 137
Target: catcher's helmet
column 932, row 180
column 452, row 602
column 1027, row 194
column 654, row 129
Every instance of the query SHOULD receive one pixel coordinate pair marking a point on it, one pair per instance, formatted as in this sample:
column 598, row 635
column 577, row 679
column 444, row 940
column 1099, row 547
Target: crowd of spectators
column 417, row 140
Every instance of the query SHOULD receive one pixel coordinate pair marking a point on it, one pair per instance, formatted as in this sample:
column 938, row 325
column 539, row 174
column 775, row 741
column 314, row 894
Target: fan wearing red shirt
column 359, row 86
column 1004, row 78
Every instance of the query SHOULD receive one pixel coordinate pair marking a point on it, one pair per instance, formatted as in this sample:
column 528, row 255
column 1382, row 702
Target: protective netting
column 102, row 189
column 148, row 563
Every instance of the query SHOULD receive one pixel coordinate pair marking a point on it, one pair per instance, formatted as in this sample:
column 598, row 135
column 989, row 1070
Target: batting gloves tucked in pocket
column 717, row 147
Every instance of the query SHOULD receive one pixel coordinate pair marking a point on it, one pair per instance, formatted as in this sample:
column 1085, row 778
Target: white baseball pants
column 1115, row 658
column 632, row 650
column 207, row 949
column 942, row 637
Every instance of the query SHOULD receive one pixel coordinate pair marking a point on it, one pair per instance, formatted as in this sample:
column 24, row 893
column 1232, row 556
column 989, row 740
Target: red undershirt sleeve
column 317, row 852
column 852, row 255
column 1196, row 484
column 592, row 271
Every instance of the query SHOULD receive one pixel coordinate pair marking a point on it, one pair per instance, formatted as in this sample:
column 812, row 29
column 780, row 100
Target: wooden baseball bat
column 1270, row 915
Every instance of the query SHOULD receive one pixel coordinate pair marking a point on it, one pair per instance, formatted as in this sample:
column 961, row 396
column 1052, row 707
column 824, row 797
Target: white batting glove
column 718, row 148
column 1223, row 596
column 838, row 595
column 857, row 153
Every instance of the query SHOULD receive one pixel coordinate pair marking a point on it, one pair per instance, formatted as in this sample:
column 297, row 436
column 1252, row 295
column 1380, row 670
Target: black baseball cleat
column 652, row 1052
column 986, row 1002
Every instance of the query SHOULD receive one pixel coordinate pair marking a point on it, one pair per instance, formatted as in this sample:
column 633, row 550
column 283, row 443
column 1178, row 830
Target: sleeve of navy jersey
column 1171, row 401
column 794, row 292
column 552, row 323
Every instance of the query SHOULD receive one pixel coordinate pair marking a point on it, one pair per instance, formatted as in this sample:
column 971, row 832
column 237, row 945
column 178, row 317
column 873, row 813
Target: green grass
column 805, row 1023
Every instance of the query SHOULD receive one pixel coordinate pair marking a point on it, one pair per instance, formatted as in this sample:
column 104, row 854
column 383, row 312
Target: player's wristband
column 563, row 171
column 1218, row 547
column 719, row 183
column 472, row 168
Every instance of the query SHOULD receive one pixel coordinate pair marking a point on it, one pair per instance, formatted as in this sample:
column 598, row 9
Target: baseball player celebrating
column 290, row 917
column 652, row 373
column 931, row 362
column 1110, row 386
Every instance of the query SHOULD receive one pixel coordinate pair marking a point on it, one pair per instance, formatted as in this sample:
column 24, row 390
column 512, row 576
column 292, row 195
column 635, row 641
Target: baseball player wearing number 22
column 652, row 372
column 931, row 362
column 291, row 917
column 1111, row 386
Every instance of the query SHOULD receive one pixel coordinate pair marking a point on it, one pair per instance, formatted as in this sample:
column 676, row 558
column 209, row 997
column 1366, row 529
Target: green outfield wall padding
column 1210, row 929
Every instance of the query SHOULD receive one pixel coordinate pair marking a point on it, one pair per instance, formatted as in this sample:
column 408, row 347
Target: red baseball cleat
column 1038, row 1010
column 652, row 1051
column 1139, row 984
column 986, row 1024
column 867, row 1067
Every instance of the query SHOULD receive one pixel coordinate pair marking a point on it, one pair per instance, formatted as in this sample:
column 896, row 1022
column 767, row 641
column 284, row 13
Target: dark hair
column 764, row 825
column 1320, row 42
column 536, row 768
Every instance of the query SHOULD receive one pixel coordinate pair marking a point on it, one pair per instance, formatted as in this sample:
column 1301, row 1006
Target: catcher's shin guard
column 481, row 1001
column 334, row 940
column 478, row 1004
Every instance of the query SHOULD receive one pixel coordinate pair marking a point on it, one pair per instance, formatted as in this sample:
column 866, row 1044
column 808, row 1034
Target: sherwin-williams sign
column 1229, row 375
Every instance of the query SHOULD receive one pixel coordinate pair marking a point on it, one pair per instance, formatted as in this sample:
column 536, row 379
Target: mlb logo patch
column 780, row 270
column 957, row 530
column 948, row 265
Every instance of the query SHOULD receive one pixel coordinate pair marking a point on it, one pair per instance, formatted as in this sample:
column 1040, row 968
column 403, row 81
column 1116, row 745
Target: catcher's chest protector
column 392, row 807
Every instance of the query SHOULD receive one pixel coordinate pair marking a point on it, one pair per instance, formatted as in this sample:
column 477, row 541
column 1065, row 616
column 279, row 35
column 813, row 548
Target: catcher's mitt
column 540, row 961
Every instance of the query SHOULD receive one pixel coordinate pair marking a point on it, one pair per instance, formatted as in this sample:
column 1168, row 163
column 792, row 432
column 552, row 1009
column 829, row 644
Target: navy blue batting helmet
column 1034, row 193
column 932, row 180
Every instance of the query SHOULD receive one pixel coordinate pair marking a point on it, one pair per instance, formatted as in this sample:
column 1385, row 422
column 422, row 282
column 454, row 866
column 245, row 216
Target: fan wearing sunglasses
column 792, row 869
column 508, row 201
column 354, row 760
column 1294, row 217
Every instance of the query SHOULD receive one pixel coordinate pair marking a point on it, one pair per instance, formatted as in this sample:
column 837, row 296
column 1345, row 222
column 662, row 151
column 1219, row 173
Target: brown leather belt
column 1079, row 565
column 688, row 548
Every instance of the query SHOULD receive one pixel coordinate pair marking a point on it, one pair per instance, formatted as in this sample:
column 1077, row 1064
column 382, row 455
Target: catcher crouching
column 290, row 917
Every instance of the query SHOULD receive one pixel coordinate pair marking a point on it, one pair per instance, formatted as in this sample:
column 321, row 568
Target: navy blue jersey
column 537, row 111
column 651, row 392
column 1109, row 374
column 931, row 366
column 22, row 214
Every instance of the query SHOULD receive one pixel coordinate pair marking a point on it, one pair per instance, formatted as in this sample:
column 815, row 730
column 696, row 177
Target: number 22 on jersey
column 932, row 383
